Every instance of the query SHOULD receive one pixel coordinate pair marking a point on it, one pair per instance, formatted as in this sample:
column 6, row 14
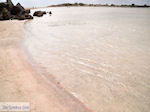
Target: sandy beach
column 94, row 60
column 20, row 83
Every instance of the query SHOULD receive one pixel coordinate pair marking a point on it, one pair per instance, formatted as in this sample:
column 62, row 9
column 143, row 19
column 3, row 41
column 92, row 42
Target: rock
column 44, row 12
column 3, row 5
column 1, row 17
column 21, row 17
column 28, row 17
column 10, row 4
column 6, row 14
column 50, row 12
column 13, row 17
column 27, row 11
column 15, row 11
column 9, row 11
column 39, row 13
column 21, row 8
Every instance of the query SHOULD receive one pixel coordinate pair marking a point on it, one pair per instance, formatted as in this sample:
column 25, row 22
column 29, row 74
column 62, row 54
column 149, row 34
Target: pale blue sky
column 31, row 3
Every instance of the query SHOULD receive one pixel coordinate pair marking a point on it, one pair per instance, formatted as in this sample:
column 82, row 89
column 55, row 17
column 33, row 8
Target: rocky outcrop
column 6, row 14
column 10, row 4
column 39, row 13
column 21, row 8
column 10, row 11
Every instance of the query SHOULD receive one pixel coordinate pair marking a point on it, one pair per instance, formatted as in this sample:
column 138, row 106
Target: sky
column 37, row 3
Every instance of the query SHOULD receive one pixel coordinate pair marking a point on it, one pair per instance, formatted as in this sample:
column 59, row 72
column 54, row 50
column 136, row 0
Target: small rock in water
column 39, row 13
column 28, row 17
column 50, row 12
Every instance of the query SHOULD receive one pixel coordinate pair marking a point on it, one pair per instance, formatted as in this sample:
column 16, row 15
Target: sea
column 100, row 55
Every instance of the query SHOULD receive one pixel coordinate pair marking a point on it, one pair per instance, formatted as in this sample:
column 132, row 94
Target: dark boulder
column 28, row 16
column 15, row 11
column 44, row 12
column 5, row 14
column 3, row 5
column 13, row 17
column 39, row 13
column 10, row 4
column 21, row 8
column 1, row 17
column 9, row 11
column 20, row 12
column 21, row 17
column 50, row 12
column 27, row 11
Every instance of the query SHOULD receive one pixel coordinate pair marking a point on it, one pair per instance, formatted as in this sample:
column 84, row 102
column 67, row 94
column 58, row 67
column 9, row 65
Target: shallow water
column 100, row 55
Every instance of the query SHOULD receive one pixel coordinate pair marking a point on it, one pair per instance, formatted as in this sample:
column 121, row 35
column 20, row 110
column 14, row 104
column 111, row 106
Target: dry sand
column 19, row 82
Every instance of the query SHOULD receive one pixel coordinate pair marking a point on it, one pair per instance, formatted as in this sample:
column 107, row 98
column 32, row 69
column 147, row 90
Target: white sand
column 20, row 83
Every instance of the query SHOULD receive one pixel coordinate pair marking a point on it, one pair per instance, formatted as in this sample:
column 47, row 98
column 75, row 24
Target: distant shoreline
column 98, row 5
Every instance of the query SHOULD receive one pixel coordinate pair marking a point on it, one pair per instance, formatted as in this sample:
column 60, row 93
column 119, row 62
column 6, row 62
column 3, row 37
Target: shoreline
column 99, row 5
column 20, row 82
column 57, row 6
column 93, row 6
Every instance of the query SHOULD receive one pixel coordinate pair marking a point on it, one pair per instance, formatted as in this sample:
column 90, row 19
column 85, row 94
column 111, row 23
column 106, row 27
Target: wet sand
column 19, row 82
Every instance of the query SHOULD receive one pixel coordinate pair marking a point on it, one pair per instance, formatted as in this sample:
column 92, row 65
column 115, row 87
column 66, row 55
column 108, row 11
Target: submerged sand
column 99, row 54
column 19, row 82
